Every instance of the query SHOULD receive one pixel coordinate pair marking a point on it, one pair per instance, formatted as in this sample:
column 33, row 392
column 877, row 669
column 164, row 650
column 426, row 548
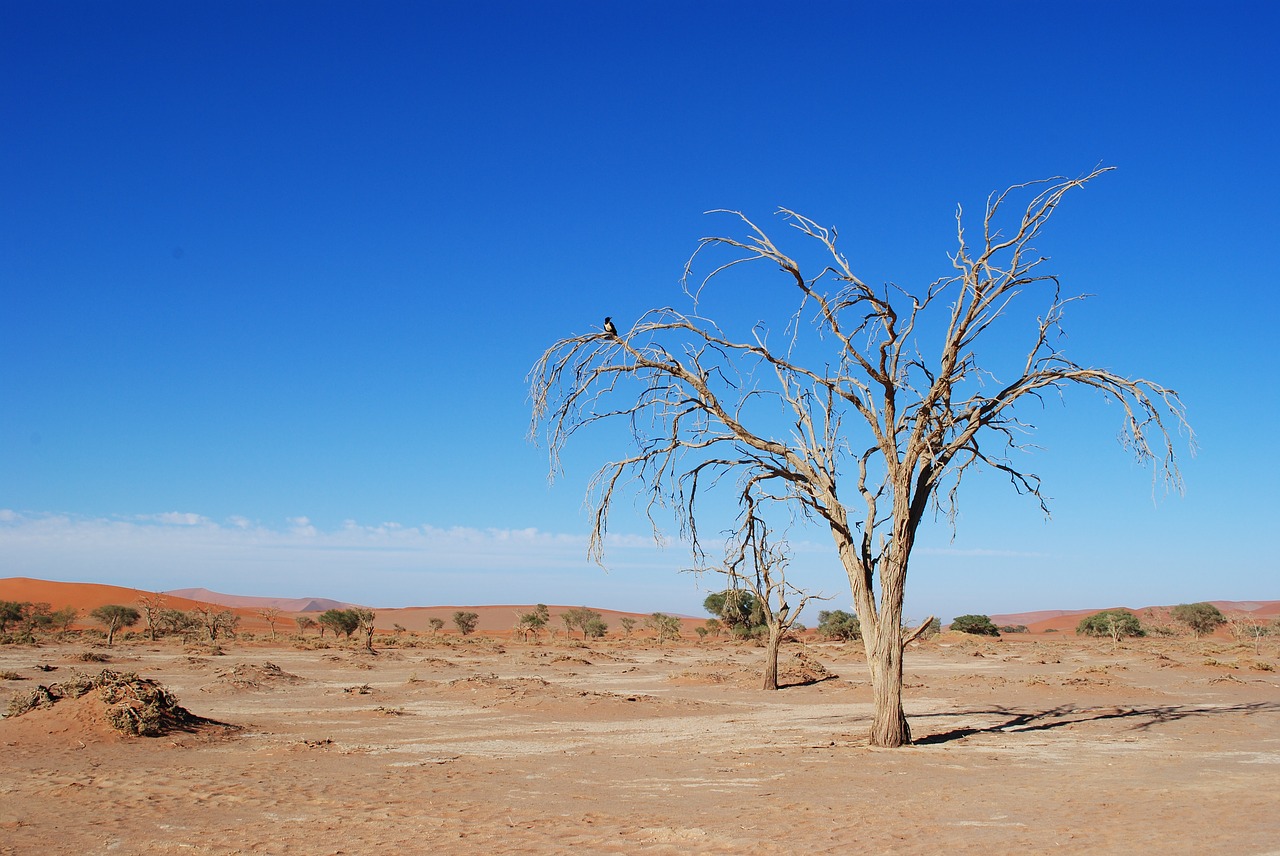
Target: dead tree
column 865, row 410
column 270, row 614
column 759, row 564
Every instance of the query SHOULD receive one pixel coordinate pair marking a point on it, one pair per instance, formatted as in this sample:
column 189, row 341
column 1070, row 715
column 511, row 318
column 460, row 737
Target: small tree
column 152, row 605
column 664, row 626
column 588, row 621
column 216, row 622
column 532, row 622
column 466, row 622
column 628, row 625
column 364, row 623
column 113, row 617
column 36, row 618
column 1247, row 629
column 271, row 615
column 1199, row 617
column 735, row 607
column 838, row 624
column 305, row 623
column 176, row 621
column 62, row 619
column 11, row 612
column 1113, row 623
column 436, row 624
column 759, row 592
column 977, row 625
column 343, row 622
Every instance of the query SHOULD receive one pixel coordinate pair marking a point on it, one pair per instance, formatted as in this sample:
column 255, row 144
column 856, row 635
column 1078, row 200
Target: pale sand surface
column 1028, row 745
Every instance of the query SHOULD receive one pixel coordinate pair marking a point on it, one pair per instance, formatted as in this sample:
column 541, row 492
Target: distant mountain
column 284, row 604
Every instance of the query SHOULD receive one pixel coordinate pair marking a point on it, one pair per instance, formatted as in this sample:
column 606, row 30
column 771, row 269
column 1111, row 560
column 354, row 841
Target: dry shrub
column 135, row 706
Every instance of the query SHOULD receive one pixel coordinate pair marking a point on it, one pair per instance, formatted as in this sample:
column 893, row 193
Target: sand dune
column 496, row 619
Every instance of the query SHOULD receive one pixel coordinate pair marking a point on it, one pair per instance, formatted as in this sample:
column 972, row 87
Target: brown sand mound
column 121, row 701
column 246, row 677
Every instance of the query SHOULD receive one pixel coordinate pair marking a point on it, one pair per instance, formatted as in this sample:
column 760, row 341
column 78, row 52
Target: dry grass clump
column 134, row 705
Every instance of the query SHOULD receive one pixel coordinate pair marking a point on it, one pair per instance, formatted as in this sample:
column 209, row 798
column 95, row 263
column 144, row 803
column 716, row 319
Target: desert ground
column 483, row 745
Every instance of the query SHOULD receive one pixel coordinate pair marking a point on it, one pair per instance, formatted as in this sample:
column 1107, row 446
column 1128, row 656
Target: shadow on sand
column 1143, row 718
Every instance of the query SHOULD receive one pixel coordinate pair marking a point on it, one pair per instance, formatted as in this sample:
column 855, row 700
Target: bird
column 609, row 328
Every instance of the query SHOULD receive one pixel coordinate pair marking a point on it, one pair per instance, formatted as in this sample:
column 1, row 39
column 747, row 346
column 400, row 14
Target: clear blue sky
column 273, row 275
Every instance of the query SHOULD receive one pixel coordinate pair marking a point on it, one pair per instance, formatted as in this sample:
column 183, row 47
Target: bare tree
column 152, row 604
column 1246, row 628
column 872, row 394
column 270, row 614
column 755, row 562
column 215, row 622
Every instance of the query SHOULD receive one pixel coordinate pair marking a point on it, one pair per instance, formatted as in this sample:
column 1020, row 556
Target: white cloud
column 389, row 562
column 176, row 518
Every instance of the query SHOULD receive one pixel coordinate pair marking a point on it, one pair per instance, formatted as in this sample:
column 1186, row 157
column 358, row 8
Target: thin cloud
column 174, row 549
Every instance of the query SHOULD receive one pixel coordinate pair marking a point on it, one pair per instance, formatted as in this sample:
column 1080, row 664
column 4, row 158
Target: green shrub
column 838, row 624
column 1199, row 617
column 1113, row 623
column 976, row 625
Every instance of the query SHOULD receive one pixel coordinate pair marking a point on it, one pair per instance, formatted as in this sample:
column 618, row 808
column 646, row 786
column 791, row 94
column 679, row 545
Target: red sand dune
column 285, row 604
column 493, row 619
column 499, row 619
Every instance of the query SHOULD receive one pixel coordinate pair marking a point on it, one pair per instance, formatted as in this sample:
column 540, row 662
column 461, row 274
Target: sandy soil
column 478, row 746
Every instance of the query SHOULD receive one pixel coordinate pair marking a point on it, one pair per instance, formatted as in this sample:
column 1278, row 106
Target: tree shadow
column 1143, row 717
column 806, row 682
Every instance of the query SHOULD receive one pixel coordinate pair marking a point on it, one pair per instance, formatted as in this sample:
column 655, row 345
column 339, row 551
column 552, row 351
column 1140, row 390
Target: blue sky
column 273, row 275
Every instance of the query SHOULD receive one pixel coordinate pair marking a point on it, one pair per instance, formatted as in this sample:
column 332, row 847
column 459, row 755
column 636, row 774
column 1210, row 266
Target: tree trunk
column 884, row 646
column 771, row 658
column 889, row 726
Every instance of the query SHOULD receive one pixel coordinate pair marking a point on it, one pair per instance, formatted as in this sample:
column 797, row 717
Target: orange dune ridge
column 496, row 620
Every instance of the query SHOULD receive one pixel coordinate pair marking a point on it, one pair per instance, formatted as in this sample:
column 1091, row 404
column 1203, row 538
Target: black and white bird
column 608, row 326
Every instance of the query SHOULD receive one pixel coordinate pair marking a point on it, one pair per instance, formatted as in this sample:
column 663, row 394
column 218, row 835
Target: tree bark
column 771, row 657
column 889, row 726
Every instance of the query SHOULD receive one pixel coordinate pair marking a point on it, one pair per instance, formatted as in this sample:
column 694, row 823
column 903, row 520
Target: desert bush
column 1113, row 623
column 466, row 622
column 1200, row 618
column 1014, row 628
column 341, row 621
column 11, row 676
column 976, row 625
column 735, row 607
column 837, row 624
